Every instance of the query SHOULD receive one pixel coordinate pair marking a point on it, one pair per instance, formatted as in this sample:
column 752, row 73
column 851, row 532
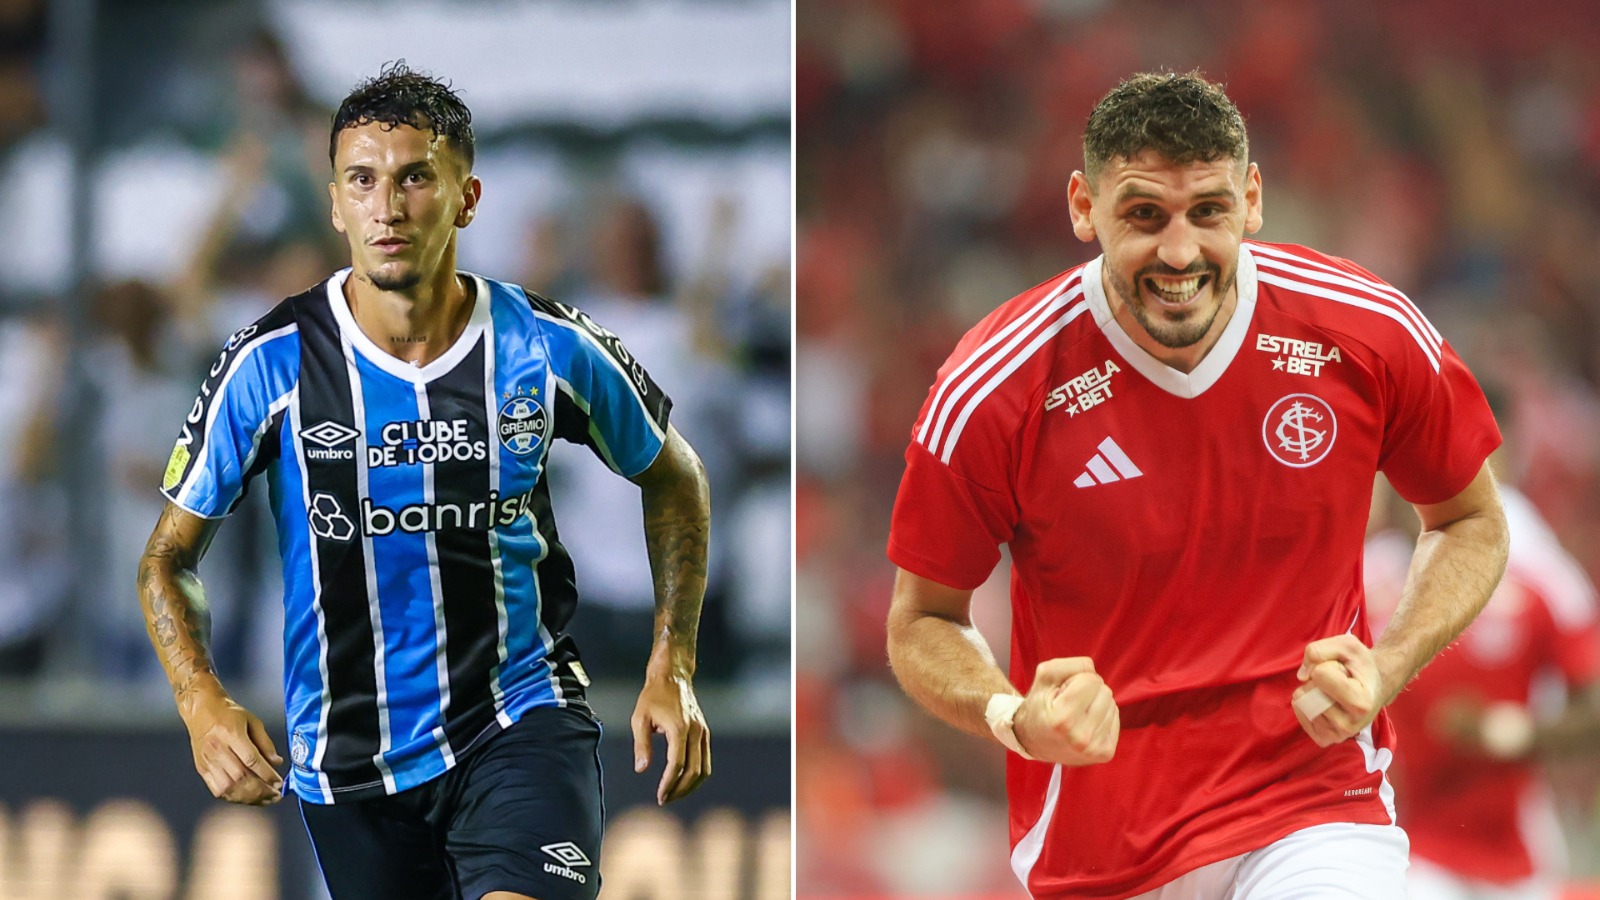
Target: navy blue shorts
column 522, row 813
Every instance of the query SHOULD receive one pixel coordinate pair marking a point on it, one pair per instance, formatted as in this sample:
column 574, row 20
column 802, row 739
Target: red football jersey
column 1191, row 533
column 1482, row 819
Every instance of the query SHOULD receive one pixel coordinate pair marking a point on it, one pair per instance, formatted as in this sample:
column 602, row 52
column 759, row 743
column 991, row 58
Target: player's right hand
column 233, row 752
column 1069, row 716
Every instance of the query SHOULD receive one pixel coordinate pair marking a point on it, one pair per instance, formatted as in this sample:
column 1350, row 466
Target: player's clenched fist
column 1346, row 672
column 1069, row 716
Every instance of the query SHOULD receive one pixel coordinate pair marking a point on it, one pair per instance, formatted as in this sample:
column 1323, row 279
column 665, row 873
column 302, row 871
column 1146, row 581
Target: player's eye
column 416, row 178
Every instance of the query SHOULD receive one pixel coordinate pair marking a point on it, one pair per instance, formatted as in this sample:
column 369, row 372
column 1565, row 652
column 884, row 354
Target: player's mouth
column 391, row 245
column 1177, row 293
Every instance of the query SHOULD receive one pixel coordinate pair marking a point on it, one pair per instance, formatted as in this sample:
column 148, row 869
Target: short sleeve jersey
column 1487, row 820
column 1191, row 533
column 426, row 591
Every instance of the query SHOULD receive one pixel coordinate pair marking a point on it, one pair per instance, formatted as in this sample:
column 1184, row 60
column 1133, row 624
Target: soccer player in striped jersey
column 1178, row 441
column 439, row 739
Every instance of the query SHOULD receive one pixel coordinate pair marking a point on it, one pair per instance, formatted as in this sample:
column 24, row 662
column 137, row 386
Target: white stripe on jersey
column 374, row 611
column 1424, row 328
column 1378, row 760
column 606, row 355
column 1266, row 268
column 1026, row 854
column 1006, row 370
column 1407, row 306
column 500, row 619
column 551, row 383
column 204, row 437
column 940, row 407
column 441, row 636
column 293, row 424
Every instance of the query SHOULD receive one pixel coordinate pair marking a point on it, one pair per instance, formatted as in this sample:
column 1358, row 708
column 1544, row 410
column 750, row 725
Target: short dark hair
column 399, row 96
column 1185, row 118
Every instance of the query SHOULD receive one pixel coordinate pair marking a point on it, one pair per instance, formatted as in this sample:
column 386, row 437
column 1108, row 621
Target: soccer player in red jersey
column 1482, row 821
column 1178, row 441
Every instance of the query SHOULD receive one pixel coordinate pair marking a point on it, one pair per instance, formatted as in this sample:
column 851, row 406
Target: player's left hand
column 667, row 705
column 1346, row 671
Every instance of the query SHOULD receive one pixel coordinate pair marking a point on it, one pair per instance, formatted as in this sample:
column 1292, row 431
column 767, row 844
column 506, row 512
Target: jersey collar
column 1182, row 384
column 477, row 324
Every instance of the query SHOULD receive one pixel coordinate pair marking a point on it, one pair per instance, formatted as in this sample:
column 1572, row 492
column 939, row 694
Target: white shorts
column 1430, row 882
column 1338, row 861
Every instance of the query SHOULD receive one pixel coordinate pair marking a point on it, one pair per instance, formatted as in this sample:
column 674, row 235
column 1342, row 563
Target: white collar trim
column 477, row 324
column 1191, row 384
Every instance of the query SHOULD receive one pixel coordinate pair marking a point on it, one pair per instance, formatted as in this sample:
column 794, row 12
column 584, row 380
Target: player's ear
column 1252, row 199
column 1080, row 202
column 471, row 192
column 333, row 208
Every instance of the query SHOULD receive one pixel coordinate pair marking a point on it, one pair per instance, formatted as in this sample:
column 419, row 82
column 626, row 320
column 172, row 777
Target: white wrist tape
column 1001, row 714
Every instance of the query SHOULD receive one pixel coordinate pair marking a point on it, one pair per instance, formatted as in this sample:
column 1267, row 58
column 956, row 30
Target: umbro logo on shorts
column 570, row 855
column 1109, row 465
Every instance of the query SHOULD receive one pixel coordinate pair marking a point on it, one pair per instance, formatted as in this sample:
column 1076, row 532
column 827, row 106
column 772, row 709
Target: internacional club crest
column 521, row 423
column 1299, row 430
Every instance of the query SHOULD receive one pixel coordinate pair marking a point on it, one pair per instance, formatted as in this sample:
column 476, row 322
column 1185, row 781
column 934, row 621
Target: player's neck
column 1181, row 359
column 418, row 324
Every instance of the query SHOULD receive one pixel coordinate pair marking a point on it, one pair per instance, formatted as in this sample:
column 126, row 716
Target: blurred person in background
column 1177, row 440
column 1518, row 687
column 440, row 741
column 32, row 512
column 625, row 284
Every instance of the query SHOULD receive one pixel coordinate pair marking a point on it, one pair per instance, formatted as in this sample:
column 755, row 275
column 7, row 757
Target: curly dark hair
column 1185, row 118
column 401, row 96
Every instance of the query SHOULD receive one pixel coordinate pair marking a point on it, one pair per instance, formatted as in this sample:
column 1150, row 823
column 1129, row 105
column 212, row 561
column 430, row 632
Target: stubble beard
column 401, row 281
column 1174, row 334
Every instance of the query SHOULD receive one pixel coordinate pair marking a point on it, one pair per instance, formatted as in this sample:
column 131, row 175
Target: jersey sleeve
column 605, row 399
column 230, row 432
column 956, row 505
column 1438, row 429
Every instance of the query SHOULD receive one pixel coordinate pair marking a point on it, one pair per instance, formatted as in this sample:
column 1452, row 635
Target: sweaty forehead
column 1153, row 176
column 380, row 145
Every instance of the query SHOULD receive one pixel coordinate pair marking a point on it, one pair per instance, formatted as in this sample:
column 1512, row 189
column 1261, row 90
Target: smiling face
column 1171, row 234
column 399, row 194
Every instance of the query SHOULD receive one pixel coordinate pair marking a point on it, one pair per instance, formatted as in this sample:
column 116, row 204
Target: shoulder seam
column 971, row 382
column 1345, row 288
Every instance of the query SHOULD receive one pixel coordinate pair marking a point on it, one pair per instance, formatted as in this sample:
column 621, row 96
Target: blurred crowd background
column 165, row 181
column 164, row 169
column 1450, row 146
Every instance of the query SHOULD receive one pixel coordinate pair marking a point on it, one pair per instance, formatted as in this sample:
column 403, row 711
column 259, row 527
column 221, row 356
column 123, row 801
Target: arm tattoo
column 176, row 614
column 677, row 522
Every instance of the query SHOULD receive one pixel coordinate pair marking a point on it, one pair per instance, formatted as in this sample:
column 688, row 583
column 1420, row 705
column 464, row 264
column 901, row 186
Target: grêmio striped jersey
column 426, row 591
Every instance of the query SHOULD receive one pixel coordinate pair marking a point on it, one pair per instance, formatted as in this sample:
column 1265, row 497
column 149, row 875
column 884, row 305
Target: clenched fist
column 1069, row 716
column 1346, row 671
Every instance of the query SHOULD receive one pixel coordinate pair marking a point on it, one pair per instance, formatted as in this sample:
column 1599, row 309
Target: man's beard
column 402, row 281
column 1170, row 333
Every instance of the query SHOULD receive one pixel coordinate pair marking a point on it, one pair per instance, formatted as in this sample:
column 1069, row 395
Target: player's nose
column 1180, row 245
column 388, row 206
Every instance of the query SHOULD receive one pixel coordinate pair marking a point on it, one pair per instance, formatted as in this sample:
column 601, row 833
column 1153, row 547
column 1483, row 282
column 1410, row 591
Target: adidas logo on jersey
column 1109, row 465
